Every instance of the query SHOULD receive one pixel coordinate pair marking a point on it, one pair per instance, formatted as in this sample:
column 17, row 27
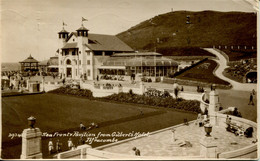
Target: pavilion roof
column 30, row 59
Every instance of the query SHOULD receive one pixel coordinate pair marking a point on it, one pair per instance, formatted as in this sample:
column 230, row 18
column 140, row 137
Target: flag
column 83, row 19
column 64, row 24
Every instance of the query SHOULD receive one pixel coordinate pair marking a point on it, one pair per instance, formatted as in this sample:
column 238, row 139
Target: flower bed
column 72, row 91
column 151, row 98
column 180, row 104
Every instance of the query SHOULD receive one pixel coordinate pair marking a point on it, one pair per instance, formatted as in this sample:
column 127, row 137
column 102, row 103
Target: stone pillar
column 214, row 105
column 31, row 142
column 142, row 88
column 208, row 147
column 83, row 153
column 27, row 84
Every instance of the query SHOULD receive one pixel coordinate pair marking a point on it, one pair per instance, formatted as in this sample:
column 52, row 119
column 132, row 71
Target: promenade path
column 222, row 61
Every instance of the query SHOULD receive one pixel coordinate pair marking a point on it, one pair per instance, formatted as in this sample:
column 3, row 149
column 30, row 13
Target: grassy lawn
column 203, row 73
column 238, row 78
column 235, row 55
column 60, row 113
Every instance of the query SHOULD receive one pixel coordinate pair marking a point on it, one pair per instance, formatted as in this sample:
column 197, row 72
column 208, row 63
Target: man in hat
column 58, row 146
column 50, row 144
column 251, row 102
column 70, row 144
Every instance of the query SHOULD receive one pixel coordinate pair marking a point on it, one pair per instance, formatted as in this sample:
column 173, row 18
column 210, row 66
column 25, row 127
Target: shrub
column 151, row 98
column 73, row 91
column 146, row 99
column 131, row 92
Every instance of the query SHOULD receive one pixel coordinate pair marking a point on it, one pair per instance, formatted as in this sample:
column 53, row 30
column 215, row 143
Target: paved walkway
column 161, row 144
column 222, row 61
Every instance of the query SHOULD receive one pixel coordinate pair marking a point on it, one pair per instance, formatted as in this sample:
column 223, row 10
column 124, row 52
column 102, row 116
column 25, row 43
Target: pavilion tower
column 85, row 53
column 63, row 37
column 82, row 33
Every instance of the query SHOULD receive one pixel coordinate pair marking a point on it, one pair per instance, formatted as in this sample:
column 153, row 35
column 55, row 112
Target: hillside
column 206, row 29
column 10, row 66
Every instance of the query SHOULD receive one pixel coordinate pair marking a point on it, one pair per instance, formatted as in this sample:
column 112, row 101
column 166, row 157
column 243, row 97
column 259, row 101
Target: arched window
column 68, row 62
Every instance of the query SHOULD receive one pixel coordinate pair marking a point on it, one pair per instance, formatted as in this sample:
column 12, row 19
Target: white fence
column 102, row 90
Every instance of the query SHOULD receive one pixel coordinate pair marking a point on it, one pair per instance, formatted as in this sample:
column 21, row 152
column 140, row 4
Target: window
column 73, row 39
column 88, row 72
column 73, row 52
column 61, row 62
column 68, row 62
column 88, row 62
column 79, row 62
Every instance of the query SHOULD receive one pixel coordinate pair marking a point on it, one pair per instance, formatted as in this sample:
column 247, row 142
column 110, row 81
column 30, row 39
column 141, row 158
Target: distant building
column 90, row 56
column 81, row 53
column 147, row 64
column 50, row 66
column 29, row 65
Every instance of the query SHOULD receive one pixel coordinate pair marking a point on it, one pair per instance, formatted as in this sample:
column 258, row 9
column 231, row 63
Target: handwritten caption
column 90, row 137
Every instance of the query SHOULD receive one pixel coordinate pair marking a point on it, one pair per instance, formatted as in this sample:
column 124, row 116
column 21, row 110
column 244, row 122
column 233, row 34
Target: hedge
column 75, row 92
column 158, row 100
column 168, row 102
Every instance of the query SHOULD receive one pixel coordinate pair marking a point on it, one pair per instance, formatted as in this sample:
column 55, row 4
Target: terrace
column 161, row 143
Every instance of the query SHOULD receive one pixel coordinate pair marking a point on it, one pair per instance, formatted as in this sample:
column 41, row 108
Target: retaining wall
column 248, row 152
column 48, row 86
column 86, row 152
column 101, row 91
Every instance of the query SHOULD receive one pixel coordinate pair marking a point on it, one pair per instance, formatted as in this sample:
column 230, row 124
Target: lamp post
column 43, row 83
column 173, row 134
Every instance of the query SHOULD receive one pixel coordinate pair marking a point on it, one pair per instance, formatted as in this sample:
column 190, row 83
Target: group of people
column 202, row 120
column 239, row 69
column 51, row 146
column 106, row 85
column 157, row 93
column 238, row 130
column 91, row 125
column 108, row 77
column 58, row 145
column 200, row 89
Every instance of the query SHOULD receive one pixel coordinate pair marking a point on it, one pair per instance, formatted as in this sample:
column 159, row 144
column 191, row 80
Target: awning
column 112, row 67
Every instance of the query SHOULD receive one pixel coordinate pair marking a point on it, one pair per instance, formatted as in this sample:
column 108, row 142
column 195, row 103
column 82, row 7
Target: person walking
column 58, row 146
column 251, row 101
column 50, row 145
column 70, row 144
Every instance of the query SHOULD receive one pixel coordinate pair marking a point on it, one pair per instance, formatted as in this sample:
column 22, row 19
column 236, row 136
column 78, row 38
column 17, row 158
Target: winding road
column 222, row 61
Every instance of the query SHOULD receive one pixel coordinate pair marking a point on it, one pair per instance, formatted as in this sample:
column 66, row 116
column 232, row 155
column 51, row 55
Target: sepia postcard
column 129, row 79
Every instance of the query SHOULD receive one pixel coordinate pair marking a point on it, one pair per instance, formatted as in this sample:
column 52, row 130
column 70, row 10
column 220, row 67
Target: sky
column 31, row 26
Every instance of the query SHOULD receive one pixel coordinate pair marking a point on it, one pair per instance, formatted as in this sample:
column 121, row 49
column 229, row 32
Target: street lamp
column 173, row 134
column 43, row 83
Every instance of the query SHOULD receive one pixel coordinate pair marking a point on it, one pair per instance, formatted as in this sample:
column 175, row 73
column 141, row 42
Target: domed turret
column 82, row 31
column 63, row 34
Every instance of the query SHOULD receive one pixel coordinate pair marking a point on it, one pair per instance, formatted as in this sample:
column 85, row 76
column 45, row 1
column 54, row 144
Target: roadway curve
column 222, row 61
